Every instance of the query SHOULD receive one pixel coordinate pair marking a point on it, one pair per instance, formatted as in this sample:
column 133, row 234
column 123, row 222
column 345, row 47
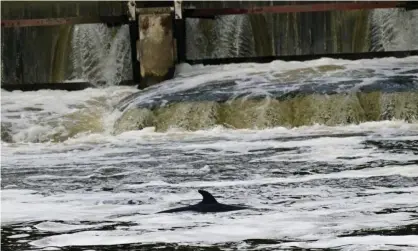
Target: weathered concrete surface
column 155, row 48
column 41, row 54
column 48, row 9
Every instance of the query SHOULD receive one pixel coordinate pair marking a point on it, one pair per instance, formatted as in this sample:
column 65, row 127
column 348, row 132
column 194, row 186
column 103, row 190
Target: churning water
column 71, row 181
column 325, row 152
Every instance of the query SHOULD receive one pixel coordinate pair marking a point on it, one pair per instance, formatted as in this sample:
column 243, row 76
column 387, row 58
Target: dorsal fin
column 207, row 197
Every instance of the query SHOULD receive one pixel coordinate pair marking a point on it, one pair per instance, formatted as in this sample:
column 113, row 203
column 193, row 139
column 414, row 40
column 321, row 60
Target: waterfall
column 226, row 36
column 355, row 31
column 394, row 30
column 101, row 54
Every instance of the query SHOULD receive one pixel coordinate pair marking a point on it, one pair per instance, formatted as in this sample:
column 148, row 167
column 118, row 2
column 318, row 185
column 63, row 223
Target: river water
column 70, row 183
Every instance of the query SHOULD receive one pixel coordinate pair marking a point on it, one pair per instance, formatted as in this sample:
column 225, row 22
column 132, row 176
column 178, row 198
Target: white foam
column 51, row 248
column 17, row 236
column 41, row 125
column 61, row 227
column 407, row 171
column 329, row 213
column 41, row 114
column 189, row 77
column 149, row 171
column 278, row 225
column 67, row 207
column 87, row 239
column 148, row 135
column 361, row 242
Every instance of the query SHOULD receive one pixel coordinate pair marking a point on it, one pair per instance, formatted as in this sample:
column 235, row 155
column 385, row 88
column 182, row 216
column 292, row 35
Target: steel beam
column 317, row 7
column 63, row 21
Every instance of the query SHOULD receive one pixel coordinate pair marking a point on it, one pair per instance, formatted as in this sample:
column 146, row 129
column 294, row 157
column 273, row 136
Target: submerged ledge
column 228, row 90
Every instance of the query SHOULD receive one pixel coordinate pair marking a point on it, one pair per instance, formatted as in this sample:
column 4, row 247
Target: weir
column 159, row 37
column 307, row 119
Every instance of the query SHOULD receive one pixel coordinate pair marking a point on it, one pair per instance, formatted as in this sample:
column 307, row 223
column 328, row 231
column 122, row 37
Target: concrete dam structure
column 66, row 41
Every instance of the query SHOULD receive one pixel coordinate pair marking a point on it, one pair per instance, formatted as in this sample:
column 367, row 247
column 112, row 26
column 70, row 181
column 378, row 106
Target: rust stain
column 145, row 24
column 167, row 23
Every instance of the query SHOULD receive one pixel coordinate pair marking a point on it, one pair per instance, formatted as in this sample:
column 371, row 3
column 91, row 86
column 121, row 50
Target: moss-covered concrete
column 304, row 110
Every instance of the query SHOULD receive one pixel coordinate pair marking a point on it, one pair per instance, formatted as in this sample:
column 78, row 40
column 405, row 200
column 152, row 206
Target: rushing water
column 69, row 182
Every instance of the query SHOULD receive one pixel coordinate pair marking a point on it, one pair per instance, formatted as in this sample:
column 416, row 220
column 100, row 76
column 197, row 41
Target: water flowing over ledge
column 324, row 91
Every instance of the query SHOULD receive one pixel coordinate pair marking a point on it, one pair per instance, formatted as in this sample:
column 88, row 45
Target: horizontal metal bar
column 267, row 59
column 63, row 21
column 317, row 7
column 211, row 12
column 67, row 86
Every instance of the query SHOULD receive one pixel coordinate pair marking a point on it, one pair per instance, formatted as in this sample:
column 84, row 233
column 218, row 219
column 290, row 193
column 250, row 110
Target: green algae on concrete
column 302, row 110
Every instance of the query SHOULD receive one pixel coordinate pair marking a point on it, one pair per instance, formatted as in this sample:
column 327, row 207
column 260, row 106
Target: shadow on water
column 411, row 229
column 394, row 146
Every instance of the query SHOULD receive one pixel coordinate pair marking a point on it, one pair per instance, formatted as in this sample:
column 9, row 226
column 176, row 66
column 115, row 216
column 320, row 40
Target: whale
column 208, row 205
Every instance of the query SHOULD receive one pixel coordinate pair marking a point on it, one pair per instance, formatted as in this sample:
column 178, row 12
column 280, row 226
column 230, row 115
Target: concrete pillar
column 155, row 46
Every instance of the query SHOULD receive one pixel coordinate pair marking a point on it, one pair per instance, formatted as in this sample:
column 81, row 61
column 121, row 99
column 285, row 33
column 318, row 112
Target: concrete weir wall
column 43, row 55
column 40, row 54
column 155, row 47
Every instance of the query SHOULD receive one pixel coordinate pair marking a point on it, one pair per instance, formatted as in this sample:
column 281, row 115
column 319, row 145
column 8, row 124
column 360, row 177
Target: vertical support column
column 155, row 46
column 134, row 37
column 180, row 31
